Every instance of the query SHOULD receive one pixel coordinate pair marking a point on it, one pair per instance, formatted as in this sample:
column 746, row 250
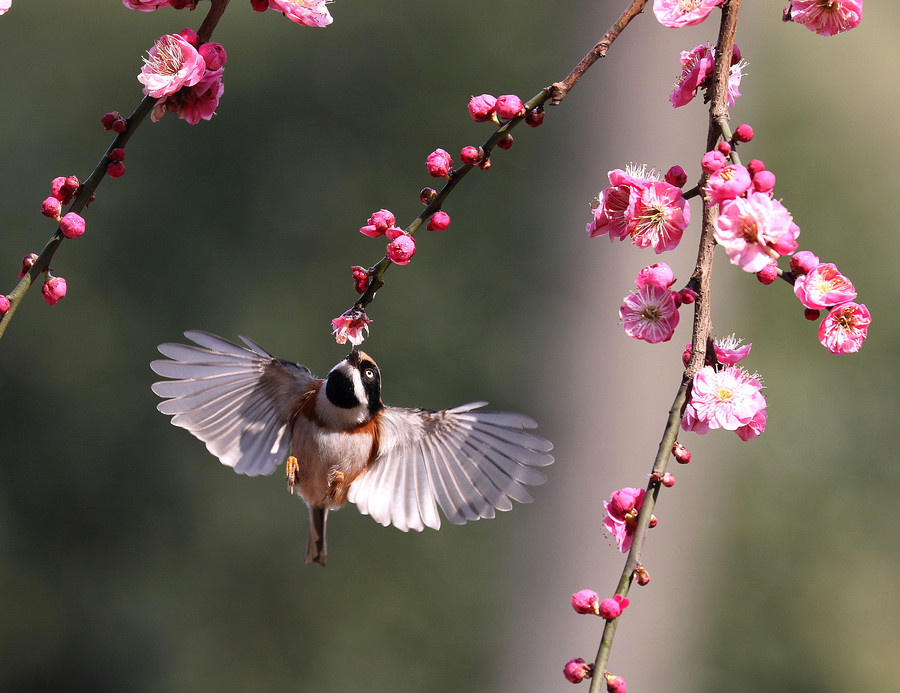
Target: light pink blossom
column 145, row 5
column 827, row 17
column 755, row 428
column 727, row 183
column 754, row 230
column 312, row 13
column 622, row 510
column 350, row 327
column 845, row 328
column 171, row 64
column 697, row 67
column 729, row 350
column 823, row 286
column 4, row 6
column 724, row 398
column 678, row 13
column 650, row 314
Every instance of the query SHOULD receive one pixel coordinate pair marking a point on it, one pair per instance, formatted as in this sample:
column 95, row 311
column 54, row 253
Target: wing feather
column 237, row 400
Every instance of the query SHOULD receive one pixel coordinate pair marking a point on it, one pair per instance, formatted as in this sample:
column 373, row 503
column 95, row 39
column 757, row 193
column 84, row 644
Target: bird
column 339, row 442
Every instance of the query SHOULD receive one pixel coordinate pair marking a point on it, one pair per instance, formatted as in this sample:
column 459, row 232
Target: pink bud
column 764, row 181
column 190, row 36
column 676, row 176
column 535, row 117
column 735, row 54
column 682, row 454
column 427, row 195
column 401, row 250
column 615, row 684
column 667, row 480
column 641, row 576
column 611, row 609
column 71, row 225
column 688, row 296
column 439, row 164
column 481, row 108
column 767, row 274
column 439, row 221
column 803, row 262
column 4, row 305
column 686, row 356
column 509, row 106
column 505, row 142
column 213, row 55
column 27, row 263
column 53, row 290
column 117, row 154
column 64, row 188
column 755, row 166
column 471, row 155
column 51, row 207
column 713, row 161
column 586, row 602
column 392, row 232
column 115, row 169
column 576, row 670
column 382, row 219
column 724, row 147
column 360, row 279
column 743, row 133
column 811, row 314
column 659, row 273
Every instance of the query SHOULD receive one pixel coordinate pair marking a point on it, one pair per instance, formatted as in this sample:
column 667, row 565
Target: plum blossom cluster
column 589, row 602
column 697, row 71
column 825, row 17
column 639, row 206
column 185, row 76
column 401, row 246
column 724, row 395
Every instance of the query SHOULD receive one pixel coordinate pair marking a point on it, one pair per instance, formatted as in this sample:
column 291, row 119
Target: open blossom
column 826, row 17
column 755, row 428
column 171, row 64
column 823, row 286
column 696, row 72
column 727, row 183
column 845, row 328
column 145, row 5
column 622, row 510
column 5, row 5
column 754, row 230
column 726, row 398
column 661, row 216
column 194, row 103
column 729, row 350
column 350, row 327
column 650, row 314
column 678, row 13
column 313, row 13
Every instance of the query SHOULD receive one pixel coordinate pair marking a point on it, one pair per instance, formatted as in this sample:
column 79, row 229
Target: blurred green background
column 130, row 560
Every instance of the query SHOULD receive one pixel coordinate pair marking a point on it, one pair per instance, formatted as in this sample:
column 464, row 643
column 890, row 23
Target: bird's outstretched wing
column 236, row 400
column 466, row 462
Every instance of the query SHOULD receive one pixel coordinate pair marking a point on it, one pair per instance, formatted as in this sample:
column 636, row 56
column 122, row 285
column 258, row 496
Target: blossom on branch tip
column 54, row 288
column 439, row 164
column 349, row 327
column 755, row 230
column 312, row 13
column 823, row 286
column 401, row 249
column 650, row 314
column 845, row 328
column 576, row 670
column 825, row 17
column 172, row 63
column 622, row 510
column 679, row 13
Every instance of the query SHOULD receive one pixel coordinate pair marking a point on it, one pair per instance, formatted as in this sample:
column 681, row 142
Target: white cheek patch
column 337, row 416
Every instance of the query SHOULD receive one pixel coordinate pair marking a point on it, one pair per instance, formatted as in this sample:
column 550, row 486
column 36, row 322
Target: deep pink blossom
column 661, row 215
column 712, row 161
column 726, row 398
column 4, row 304
column 439, row 163
column 614, row 684
column 622, row 510
column 754, row 230
column 755, row 428
column 312, row 13
column 72, row 225
column 439, row 221
column 743, row 133
column 54, row 288
column 213, row 54
column 827, row 17
column 194, row 103
column 401, row 249
column 350, row 327
column 676, row 176
column 764, row 181
column 576, row 670
column 51, row 207
column 614, row 212
column 509, row 106
column 659, row 273
column 696, row 73
column 803, row 262
column 727, row 183
column 678, row 13
column 172, row 63
column 482, row 108
column 586, row 602
column 845, row 328
column 650, row 314
column 145, row 5
column 823, row 286
column 378, row 223
column 612, row 608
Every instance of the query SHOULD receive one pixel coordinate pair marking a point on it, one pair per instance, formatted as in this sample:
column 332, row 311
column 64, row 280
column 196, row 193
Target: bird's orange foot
column 292, row 470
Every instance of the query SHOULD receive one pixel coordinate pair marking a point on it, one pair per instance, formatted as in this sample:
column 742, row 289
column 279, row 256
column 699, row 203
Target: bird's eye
column 369, row 373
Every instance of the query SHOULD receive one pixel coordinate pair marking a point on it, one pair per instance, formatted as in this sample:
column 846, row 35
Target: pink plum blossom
column 439, row 221
column 622, row 510
column 401, row 249
column 194, row 103
column 650, row 314
column 845, row 328
column 576, row 670
column 826, row 17
column 678, row 13
column 509, row 106
column 54, row 288
column 4, row 6
column 661, row 216
column 482, row 108
column 614, row 684
column 612, row 608
column 729, row 350
column 823, row 286
column 171, row 64
column 378, row 223
column 439, row 163
column 312, row 13
column 586, row 602
column 727, row 183
column 350, row 327
column 72, row 225
column 696, row 72
column 803, row 262
column 726, row 398
column 755, row 428
column 660, row 274
column 754, row 230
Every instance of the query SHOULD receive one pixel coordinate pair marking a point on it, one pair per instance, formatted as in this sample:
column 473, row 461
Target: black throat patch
column 339, row 390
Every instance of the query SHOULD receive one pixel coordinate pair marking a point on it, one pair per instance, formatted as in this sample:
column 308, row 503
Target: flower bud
column 427, row 195
column 535, row 117
column 586, row 602
column 509, row 106
column 108, row 119
column 767, row 274
column 190, row 36
column 401, row 249
column 53, row 290
column 681, row 454
column 743, row 133
column 641, row 576
column 115, row 169
column 576, row 670
column 611, row 609
column 755, row 166
column 653, row 521
column 51, row 207
column 213, row 55
column 117, row 154
column 27, row 263
column 688, row 296
column 667, row 480
column 259, row 5
column 4, row 304
column 505, row 142
column 764, row 181
column 481, row 108
column 713, row 161
column 439, row 164
column 811, row 314
column 71, row 225
column 439, row 221
column 724, row 147
column 615, row 684
column 676, row 176
column 803, row 262
column 485, row 163
column 471, row 155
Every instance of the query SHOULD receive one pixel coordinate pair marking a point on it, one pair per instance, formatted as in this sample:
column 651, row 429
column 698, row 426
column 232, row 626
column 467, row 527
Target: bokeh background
column 130, row 560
